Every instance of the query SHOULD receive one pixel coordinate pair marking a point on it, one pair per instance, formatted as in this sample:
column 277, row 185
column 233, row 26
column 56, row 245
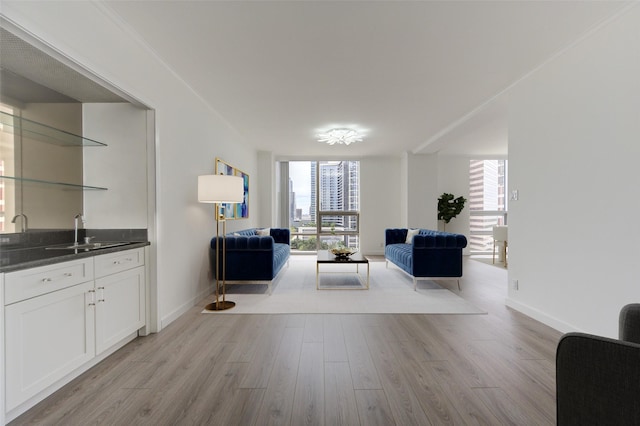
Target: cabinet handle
column 102, row 299
column 116, row 262
column 93, row 298
column 46, row 280
column 68, row 274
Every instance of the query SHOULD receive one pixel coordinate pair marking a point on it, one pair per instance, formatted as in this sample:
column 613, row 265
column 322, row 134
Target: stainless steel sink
column 89, row 246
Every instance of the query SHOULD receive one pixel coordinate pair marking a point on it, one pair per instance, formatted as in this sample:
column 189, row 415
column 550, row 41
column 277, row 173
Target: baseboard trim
column 542, row 317
column 182, row 309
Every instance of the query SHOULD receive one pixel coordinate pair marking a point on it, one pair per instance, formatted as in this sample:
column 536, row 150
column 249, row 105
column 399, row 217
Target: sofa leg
column 459, row 289
column 415, row 284
column 269, row 285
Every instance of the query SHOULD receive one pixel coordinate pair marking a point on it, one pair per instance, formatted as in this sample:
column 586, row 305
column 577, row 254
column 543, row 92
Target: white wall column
column 422, row 191
column 574, row 132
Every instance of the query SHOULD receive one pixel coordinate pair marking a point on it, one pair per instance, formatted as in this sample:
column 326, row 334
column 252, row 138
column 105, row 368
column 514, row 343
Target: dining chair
column 500, row 238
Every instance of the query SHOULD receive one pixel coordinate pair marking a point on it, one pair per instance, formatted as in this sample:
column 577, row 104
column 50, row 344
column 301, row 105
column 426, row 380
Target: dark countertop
column 24, row 255
column 15, row 260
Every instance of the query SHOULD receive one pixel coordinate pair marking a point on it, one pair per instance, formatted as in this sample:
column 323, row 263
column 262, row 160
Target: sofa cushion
column 410, row 234
column 401, row 255
column 281, row 235
column 263, row 232
column 280, row 256
column 246, row 232
column 395, row 236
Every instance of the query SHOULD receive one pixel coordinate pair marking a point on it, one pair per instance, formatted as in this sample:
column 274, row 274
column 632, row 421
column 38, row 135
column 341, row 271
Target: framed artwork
column 234, row 210
column 242, row 209
column 223, row 168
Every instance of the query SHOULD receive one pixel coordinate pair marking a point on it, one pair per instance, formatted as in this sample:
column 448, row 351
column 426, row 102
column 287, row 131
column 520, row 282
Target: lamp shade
column 220, row 189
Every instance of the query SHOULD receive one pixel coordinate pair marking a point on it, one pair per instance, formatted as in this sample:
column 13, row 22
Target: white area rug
column 391, row 291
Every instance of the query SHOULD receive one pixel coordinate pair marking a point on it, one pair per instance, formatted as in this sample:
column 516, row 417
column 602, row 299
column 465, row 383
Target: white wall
column 380, row 198
column 422, row 191
column 403, row 189
column 265, row 190
column 120, row 166
column 189, row 135
column 574, row 148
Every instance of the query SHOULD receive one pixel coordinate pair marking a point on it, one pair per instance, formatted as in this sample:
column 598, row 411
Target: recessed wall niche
column 42, row 93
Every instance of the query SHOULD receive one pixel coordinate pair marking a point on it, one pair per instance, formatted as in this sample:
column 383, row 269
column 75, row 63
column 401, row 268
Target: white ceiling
column 419, row 76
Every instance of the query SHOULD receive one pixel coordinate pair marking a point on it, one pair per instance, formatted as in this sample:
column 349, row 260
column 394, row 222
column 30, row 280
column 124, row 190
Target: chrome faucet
column 25, row 221
column 75, row 227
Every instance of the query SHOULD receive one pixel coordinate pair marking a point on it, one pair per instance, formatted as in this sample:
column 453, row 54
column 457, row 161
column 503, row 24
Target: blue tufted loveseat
column 431, row 254
column 252, row 258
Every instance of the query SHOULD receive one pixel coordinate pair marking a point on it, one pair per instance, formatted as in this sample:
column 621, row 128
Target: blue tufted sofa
column 431, row 254
column 251, row 258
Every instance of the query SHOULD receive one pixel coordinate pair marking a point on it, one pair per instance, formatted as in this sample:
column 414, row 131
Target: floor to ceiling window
column 322, row 200
column 487, row 202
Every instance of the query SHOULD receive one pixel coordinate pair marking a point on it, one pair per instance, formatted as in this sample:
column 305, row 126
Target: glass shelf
column 63, row 185
column 43, row 133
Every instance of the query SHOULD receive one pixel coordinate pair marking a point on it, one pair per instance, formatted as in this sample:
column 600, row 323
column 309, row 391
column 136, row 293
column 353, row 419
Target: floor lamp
column 220, row 189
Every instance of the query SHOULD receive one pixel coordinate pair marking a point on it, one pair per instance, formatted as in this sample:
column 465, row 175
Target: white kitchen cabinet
column 60, row 318
column 120, row 307
column 120, row 296
column 47, row 337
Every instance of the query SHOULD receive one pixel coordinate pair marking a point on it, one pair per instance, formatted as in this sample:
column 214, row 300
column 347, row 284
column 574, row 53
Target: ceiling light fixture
column 341, row 136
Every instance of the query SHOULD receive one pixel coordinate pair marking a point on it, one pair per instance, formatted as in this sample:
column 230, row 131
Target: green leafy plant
column 449, row 207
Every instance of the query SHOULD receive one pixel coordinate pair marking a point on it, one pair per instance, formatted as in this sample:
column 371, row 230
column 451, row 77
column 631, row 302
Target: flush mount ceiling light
column 342, row 136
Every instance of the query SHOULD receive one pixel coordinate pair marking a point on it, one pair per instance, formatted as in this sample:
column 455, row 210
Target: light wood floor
column 493, row 369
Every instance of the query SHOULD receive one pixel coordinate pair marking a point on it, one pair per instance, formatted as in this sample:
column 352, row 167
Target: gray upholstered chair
column 597, row 378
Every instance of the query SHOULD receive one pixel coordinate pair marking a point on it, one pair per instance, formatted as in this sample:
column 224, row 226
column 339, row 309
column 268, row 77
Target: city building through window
column 487, row 202
column 323, row 204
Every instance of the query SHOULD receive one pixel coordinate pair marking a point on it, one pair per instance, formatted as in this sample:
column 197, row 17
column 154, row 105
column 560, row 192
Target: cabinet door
column 47, row 337
column 120, row 306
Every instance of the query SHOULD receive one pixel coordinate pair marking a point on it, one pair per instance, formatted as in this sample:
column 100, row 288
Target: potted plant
column 449, row 207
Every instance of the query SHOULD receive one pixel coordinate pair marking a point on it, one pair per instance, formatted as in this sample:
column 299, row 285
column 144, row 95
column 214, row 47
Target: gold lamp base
column 220, row 306
column 220, row 190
